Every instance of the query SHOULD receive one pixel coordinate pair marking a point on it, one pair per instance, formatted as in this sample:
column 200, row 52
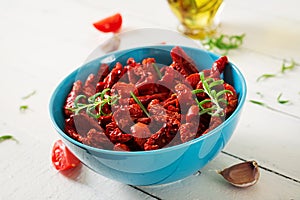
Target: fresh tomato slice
column 62, row 157
column 109, row 24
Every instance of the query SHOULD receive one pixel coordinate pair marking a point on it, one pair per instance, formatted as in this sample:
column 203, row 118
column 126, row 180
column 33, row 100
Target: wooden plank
column 26, row 172
column 267, row 32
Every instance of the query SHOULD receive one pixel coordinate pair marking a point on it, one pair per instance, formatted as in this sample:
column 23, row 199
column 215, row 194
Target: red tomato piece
column 109, row 24
column 62, row 157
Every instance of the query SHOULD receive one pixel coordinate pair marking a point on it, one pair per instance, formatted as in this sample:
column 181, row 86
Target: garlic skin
column 242, row 175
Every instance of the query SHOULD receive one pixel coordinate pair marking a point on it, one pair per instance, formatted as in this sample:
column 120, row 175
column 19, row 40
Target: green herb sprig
column 214, row 97
column 93, row 102
column 223, row 43
column 140, row 104
column 285, row 66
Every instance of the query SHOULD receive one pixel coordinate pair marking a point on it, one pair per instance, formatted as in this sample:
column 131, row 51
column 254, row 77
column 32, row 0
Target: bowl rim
column 162, row 150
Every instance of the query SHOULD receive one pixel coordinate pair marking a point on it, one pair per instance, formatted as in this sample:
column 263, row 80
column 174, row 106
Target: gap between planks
column 143, row 191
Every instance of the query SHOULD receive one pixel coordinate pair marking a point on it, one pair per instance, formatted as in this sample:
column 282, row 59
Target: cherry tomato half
column 109, row 24
column 62, row 157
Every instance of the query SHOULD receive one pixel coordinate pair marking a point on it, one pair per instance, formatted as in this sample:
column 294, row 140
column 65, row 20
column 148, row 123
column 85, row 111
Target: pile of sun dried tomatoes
column 145, row 105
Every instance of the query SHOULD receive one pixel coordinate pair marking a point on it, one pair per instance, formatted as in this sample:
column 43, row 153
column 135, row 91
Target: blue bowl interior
column 143, row 168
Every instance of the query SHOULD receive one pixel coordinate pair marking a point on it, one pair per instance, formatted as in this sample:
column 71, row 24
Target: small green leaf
column 265, row 76
column 279, row 100
column 285, row 67
column 207, row 110
column 23, row 107
column 206, row 86
column 213, row 94
column 223, row 101
column 7, row 137
column 196, row 91
column 223, row 92
column 215, row 83
column 77, row 99
column 104, row 92
column 257, row 102
column 204, row 102
column 90, row 110
column 92, row 99
column 29, row 95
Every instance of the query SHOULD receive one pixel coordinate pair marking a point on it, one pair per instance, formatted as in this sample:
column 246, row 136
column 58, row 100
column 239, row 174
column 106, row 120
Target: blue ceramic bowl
column 157, row 166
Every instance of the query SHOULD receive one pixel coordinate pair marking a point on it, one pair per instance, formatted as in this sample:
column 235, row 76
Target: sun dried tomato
column 193, row 79
column 164, row 136
column 97, row 139
column 140, row 133
column 219, row 66
column 83, row 123
column 115, row 74
column 232, row 99
column 123, row 89
column 116, row 136
column 192, row 114
column 69, row 103
column 89, row 88
column 215, row 121
column 182, row 62
column 188, row 131
column 121, row 147
column 71, row 130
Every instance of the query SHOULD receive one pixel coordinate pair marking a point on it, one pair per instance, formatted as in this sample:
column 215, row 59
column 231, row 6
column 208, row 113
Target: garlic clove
column 243, row 174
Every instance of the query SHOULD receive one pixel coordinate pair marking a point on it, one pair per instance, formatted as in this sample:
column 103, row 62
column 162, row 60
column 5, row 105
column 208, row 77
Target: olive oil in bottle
column 197, row 17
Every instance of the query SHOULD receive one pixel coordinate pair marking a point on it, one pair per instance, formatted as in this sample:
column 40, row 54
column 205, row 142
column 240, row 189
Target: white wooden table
column 42, row 41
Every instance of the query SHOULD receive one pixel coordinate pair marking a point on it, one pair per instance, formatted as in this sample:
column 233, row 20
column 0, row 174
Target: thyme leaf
column 258, row 103
column 140, row 104
column 224, row 42
column 265, row 76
